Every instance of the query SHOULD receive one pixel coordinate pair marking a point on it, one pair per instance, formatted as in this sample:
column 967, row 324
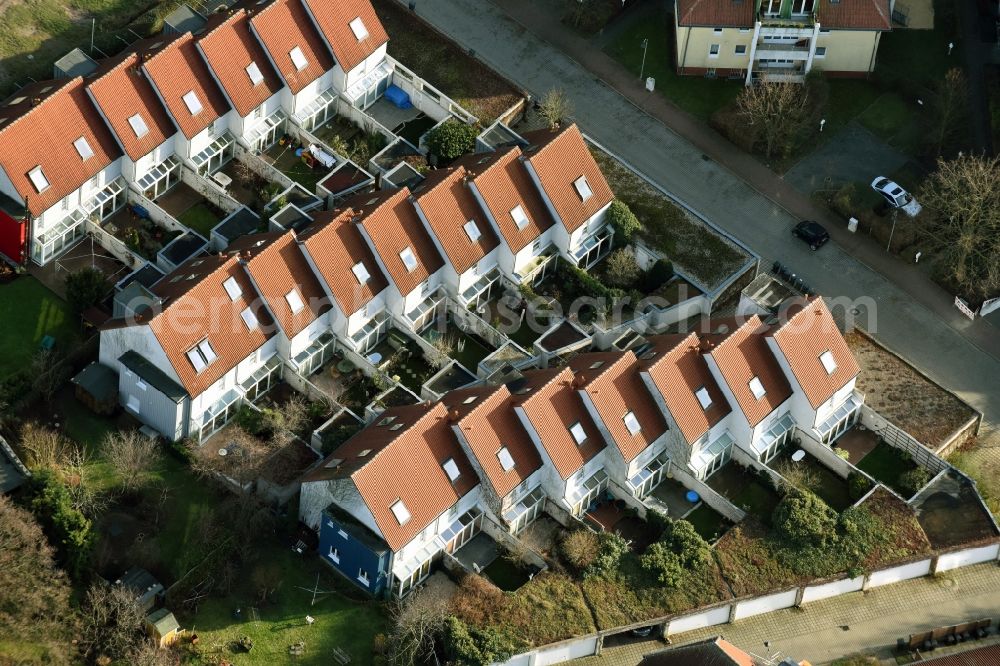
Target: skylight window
column 38, row 179
column 472, row 231
column 506, row 461
column 138, row 126
column 359, row 29
column 583, row 188
column 294, row 301
column 253, row 71
column 632, row 423
column 201, row 355
column 400, row 511
column 192, row 103
column 596, row 364
column 471, row 399
column 232, row 288
column 704, row 399
column 579, row 434
column 250, row 319
column 409, row 260
column 298, row 58
column 829, row 364
column 757, row 388
column 196, row 360
column 361, row 273
column 520, row 219
column 83, row 148
column 451, row 469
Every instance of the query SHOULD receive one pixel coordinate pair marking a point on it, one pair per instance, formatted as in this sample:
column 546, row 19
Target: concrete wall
column 706, row 618
column 765, row 604
column 900, row 573
column 964, row 558
column 832, row 589
column 210, row 190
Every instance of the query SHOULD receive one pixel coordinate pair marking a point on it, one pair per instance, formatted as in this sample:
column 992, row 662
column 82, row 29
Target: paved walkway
column 699, row 166
column 849, row 624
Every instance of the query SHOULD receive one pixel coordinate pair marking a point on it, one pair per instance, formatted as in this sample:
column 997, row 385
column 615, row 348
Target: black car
column 813, row 233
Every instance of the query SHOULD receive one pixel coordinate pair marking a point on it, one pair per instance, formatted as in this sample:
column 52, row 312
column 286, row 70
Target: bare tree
column 43, row 447
column 238, row 457
column 132, row 455
column 48, row 373
column 949, row 108
column 112, row 621
column 417, row 622
column 555, row 107
column 283, row 422
column 775, row 112
column 34, row 593
column 962, row 200
column 86, row 497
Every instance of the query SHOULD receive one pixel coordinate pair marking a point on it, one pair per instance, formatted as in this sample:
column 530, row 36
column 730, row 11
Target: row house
column 633, row 428
column 782, row 40
column 59, row 164
column 197, row 106
column 405, row 252
column 350, row 276
column 240, row 68
column 353, row 33
column 392, row 499
column 140, row 124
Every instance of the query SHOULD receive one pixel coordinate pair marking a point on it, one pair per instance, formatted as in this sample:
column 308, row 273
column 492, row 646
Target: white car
column 896, row 196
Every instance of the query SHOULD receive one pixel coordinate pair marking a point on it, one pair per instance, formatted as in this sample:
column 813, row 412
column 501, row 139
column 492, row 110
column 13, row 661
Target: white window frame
column 299, row 60
column 400, row 512
column 519, row 216
column 294, row 300
column 757, row 388
column 578, row 433
column 583, row 188
column 38, row 179
column 250, row 319
column 451, row 469
column 741, row 49
column 704, row 398
column 828, row 361
column 253, row 71
column 359, row 29
column 334, row 555
column 632, row 423
column 139, row 125
column 193, row 104
column 361, row 273
column 713, row 51
column 506, row 460
column 409, row 259
column 363, row 578
column 83, row 148
column 472, row 230
column 820, row 52
column 232, row 288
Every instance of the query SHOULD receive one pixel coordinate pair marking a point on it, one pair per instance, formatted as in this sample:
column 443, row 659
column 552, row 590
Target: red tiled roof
column 503, row 182
column 677, row 369
column 283, row 25
column 40, row 131
column 178, row 69
column 229, row 48
column 715, row 13
column 984, row 656
column 336, row 246
column 743, row 355
column 403, row 460
column 855, row 14
column 559, row 158
column 488, row 424
column 552, row 406
column 121, row 92
column 616, row 388
column 334, row 22
column 447, row 203
column 803, row 339
column 710, row 652
column 391, row 222
column 277, row 266
column 197, row 307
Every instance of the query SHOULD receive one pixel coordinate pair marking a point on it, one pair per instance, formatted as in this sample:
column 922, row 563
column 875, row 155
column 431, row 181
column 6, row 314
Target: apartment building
column 783, row 41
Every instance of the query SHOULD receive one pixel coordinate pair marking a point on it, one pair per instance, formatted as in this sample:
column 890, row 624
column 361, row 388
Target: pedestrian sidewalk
column 544, row 25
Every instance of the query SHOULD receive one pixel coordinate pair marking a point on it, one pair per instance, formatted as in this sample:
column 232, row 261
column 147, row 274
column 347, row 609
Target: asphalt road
column 927, row 340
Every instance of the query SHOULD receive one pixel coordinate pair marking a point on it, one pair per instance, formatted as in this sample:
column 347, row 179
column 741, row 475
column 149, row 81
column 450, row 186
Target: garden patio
column 746, row 489
column 288, row 159
column 613, row 515
column 887, row 464
column 141, row 235
column 810, row 474
column 449, row 339
column 191, row 209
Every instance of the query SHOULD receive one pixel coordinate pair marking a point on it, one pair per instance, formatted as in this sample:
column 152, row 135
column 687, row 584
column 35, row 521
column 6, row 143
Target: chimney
column 452, row 416
column 706, row 345
column 578, row 381
column 35, row 101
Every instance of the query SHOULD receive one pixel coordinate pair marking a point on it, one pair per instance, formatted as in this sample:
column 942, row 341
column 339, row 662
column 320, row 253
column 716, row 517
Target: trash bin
column 852, row 225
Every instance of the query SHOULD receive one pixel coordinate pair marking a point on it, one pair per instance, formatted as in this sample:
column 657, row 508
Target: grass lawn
column 201, row 218
column 886, row 464
column 708, row 522
column 848, row 98
column 695, row 94
column 919, row 58
column 29, row 312
column 984, row 468
column 895, row 121
column 340, row 622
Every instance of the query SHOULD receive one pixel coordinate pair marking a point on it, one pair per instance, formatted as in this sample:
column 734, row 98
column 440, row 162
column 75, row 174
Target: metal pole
column 645, row 46
column 93, row 28
column 891, row 231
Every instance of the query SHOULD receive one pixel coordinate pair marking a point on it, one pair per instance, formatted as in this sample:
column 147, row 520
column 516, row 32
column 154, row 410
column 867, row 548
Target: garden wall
column 832, row 589
column 897, row 574
column 156, row 214
column 746, row 460
column 824, row 454
column 118, row 249
column 765, row 604
column 964, row 558
column 262, row 168
column 960, row 436
column 209, row 189
column 426, row 97
column 363, row 120
column 901, row 440
column 708, row 496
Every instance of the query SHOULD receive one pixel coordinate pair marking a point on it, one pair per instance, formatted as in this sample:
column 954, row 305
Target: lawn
column 708, row 522
column 697, row 95
column 895, row 121
column 886, row 464
column 745, row 490
column 919, row 58
column 280, row 622
column 984, row 468
column 29, row 312
column 201, row 218
column 444, row 64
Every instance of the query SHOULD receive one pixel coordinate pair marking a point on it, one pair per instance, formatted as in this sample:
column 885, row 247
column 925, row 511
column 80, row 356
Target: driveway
column 933, row 340
column 855, row 156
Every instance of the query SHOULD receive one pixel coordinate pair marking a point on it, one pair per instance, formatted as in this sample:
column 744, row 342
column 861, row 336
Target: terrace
column 613, row 515
column 299, row 164
column 349, row 140
column 675, row 498
column 450, row 340
column 246, row 186
column 346, row 384
column 411, row 123
column 86, row 253
column 191, row 209
column 810, row 474
column 746, row 489
column 140, row 234
column 888, row 465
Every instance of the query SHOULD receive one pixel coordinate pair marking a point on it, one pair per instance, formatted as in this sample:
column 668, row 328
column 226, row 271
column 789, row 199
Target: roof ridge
column 559, row 134
column 174, row 299
column 176, row 43
column 486, row 398
column 403, row 432
column 502, row 158
column 451, row 173
column 129, row 58
column 732, row 334
column 64, row 89
column 235, row 14
column 546, row 385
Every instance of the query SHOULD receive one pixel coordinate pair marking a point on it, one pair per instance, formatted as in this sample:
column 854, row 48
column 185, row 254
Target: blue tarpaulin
column 398, row 97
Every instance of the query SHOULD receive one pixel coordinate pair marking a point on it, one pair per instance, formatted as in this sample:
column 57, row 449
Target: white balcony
column 770, row 51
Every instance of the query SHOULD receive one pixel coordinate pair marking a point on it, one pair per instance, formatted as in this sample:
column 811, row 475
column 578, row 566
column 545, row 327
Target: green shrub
column 251, row 420
column 623, row 221
column 913, row 480
column 613, row 549
column 579, row 549
column 679, row 551
column 621, row 269
column 857, row 485
column 452, row 139
column 85, row 288
column 471, row 646
column 803, row 518
column 843, row 454
column 66, row 526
